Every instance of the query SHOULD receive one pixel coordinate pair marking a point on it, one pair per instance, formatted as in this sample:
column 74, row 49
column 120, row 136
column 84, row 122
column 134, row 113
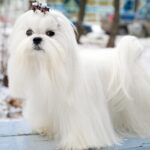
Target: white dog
column 78, row 98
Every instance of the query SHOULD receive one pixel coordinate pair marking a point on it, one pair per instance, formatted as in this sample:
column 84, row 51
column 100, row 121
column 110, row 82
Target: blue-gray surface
column 17, row 135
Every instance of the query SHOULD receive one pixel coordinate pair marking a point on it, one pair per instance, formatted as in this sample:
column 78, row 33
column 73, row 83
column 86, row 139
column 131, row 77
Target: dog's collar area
column 40, row 6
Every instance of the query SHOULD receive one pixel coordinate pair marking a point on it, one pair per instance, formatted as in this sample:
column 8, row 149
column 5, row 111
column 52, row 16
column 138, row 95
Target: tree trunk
column 5, row 80
column 115, row 24
column 30, row 4
column 81, row 15
column 136, row 5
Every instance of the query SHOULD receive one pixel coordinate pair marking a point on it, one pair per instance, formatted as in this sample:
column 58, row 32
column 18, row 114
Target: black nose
column 37, row 40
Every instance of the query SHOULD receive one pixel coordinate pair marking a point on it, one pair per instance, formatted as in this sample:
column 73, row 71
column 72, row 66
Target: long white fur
column 130, row 97
column 77, row 97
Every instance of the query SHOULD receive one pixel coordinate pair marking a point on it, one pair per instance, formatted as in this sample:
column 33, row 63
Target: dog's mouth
column 38, row 48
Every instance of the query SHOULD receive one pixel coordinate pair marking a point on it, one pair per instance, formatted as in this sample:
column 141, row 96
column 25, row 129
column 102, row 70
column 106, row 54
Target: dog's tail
column 129, row 52
column 131, row 99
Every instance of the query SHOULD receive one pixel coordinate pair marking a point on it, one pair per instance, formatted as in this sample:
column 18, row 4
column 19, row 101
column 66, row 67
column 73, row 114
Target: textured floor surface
column 16, row 135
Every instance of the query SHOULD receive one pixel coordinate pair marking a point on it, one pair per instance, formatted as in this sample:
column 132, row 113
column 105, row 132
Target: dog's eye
column 50, row 33
column 29, row 32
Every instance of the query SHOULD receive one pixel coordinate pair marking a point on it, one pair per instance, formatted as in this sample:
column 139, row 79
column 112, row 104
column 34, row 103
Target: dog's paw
column 41, row 131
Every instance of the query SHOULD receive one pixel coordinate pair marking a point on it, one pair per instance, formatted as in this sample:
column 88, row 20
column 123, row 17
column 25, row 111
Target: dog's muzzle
column 37, row 41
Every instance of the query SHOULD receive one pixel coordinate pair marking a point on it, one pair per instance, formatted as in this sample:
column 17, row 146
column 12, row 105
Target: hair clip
column 40, row 6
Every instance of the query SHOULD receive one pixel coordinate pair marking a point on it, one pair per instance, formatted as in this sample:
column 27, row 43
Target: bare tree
column 3, row 49
column 137, row 2
column 115, row 24
column 30, row 4
column 81, row 15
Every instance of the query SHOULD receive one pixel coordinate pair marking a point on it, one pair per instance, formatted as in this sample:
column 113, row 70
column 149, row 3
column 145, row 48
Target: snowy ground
column 11, row 108
column 98, row 41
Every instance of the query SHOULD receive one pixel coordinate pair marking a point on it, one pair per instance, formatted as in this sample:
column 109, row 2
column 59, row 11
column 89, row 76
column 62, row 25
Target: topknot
column 40, row 6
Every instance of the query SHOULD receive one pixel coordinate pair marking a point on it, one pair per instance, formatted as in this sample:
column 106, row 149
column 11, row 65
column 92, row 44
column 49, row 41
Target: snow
column 4, row 95
column 99, row 41
column 7, row 108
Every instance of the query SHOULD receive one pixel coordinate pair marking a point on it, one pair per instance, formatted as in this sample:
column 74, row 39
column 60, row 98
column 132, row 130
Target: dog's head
column 48, row 36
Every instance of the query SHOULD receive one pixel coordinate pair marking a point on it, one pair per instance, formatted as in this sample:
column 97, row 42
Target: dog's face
column 48, row 36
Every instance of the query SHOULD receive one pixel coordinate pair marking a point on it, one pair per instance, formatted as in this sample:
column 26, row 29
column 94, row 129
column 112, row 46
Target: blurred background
column 100, row 24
